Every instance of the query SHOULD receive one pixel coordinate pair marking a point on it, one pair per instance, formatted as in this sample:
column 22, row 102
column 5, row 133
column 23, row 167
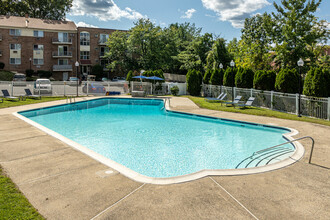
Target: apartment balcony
column 61, row 41
column 102, row 42
column 102, row 54
column 63, row 54
column 62, row 68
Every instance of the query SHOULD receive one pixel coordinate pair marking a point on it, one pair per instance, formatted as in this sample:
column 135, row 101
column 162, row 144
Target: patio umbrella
column 154, row 78
column 139, row 77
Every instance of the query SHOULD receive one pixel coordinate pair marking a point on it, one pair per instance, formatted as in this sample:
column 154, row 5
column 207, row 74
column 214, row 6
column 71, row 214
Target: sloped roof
column 36, row 23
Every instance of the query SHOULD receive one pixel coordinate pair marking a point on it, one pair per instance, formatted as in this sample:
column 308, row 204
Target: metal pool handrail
column 266, row 149
column 310, row 158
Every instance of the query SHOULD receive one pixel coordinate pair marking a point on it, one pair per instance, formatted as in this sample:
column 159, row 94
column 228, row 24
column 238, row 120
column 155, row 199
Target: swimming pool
column 140, row 138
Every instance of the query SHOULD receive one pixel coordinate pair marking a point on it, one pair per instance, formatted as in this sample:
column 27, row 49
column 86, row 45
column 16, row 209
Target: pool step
column 267, row 157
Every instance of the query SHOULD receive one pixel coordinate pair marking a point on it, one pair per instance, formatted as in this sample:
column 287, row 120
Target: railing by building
column 62, row 67
column 102, row 42
column 61, row 41
column 284, row 102
column 62, row 54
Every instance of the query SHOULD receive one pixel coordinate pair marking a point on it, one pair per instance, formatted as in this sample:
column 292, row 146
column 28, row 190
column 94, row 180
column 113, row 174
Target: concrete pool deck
column 63, row 183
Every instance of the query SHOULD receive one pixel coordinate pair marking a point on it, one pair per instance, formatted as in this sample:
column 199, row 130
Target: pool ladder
column 70, row 99
column 270, row 154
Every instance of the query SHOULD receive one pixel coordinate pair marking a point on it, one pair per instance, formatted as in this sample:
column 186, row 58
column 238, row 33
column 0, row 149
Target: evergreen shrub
column 287, row 80
column 264, row 80
column 217, row 77
column 194, row 81
column 244, row 78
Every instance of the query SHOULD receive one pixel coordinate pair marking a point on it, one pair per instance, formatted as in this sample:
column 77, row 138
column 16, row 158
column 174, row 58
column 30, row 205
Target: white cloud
column 104, row 10
column 234, row 11
column 83, row 24
column 189, row 13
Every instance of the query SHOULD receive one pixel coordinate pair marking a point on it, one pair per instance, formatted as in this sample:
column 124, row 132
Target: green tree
column 97, row 70
column 294, row 28
column 207, row 76
column 257, row 40
column 264, row 80
column 287, row 80
column 244, row 78
column 217, row 77
column 194, row 82
column 218, row 54
column 44, row 9
column 317, row 82
column 120, row 58
column 229, row 77
column 145, row 43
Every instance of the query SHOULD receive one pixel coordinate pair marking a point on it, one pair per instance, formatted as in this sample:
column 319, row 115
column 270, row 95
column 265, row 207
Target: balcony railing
column 102, row 54
column 62, row 54
column 62, row 67
column 62, row 41
column 102, row 42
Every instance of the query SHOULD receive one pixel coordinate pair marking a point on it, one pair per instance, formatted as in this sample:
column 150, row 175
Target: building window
column 84, row 39
column 15, row 32
column 63, row 37
column 84, row 55
column 38, row 47
column 38, row 33
column 104, row 38
column 103, row 51
column 63, row 62
column 15, row 46
column 15, row 61
column 38, row 61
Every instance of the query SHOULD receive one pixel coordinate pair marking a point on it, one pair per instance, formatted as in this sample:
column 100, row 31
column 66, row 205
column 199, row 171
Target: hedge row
column 316, row 83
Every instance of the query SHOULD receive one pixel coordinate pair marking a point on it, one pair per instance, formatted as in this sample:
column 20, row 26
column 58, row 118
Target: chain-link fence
column 284, row 102
column 60, row 88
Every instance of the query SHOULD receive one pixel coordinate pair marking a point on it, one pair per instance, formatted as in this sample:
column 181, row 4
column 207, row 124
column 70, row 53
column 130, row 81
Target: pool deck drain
column 63, row 183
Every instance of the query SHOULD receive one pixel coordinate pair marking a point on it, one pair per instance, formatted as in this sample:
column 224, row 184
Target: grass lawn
column 8, row 103
column 201, row 102
column 13, row 205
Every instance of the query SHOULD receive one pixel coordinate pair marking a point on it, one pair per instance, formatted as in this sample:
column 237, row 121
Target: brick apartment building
column 30, row 43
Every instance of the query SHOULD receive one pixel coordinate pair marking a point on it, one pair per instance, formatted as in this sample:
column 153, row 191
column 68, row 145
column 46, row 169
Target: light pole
column 77, row 65
column 30, row 62
column 220, row 66
column 232, row 64
column 300, row 64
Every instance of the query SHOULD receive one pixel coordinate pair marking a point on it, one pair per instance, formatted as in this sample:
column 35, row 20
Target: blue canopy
column 154, row 78
column 139, row 77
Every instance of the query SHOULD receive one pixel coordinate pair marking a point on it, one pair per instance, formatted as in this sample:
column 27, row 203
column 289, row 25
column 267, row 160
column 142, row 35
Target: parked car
column 73, row 81
column 118, row 79
column 19, row 79
column 94, row 88
column 43, row 85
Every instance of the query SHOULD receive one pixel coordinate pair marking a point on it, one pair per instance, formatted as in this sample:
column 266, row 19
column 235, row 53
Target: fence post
column 12, row 88
column 234, row 92
column 64, row 87
column 328, row 108
column 271, row 99
column 297, row 100
column 87, row 87
column 251, row 92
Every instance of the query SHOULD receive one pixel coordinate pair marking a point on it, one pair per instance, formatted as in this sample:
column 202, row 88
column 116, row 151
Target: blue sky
column 220, row 17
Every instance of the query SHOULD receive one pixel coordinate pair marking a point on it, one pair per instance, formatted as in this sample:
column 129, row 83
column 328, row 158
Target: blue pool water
column 146, row 138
